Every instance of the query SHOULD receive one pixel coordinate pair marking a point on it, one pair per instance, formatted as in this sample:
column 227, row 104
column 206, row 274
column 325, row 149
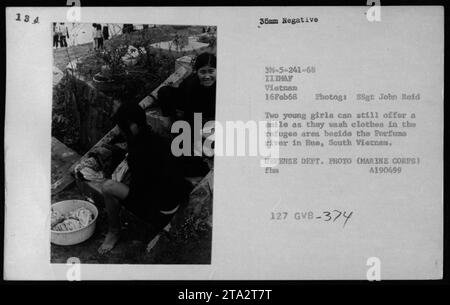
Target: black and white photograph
column 120, row 193
column 219, row 143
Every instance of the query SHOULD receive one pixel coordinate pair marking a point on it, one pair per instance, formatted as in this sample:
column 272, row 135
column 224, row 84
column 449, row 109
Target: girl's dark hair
column 205, row 59
column 129, row 113
column 166, row 97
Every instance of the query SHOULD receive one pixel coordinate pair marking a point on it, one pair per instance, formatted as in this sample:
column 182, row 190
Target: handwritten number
column 347, row 217
column 36, row 20
column 339, row 214
column 328, row 215
column 18, row 17
column 27, row 18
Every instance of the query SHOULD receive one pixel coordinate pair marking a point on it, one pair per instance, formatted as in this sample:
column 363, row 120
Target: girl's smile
column 207, row 75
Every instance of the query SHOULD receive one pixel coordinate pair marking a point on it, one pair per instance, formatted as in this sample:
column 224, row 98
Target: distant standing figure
column 99, row 36
column 55, row 35
column 105, row 32
column 127, row 28
column 94, row 36
column 64, row 33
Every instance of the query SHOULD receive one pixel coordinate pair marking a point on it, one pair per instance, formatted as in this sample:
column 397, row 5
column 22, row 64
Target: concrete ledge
column 192, row 46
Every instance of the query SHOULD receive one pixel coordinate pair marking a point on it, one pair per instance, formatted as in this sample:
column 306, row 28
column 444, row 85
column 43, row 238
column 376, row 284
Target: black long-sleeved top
column 191, row 97
column 197, row 98
column 155, row 177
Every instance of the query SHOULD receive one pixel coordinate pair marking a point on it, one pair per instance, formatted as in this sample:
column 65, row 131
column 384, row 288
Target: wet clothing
column 156, row 183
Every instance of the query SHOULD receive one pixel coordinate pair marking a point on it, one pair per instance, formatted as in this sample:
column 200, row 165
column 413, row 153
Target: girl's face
column 207, row 75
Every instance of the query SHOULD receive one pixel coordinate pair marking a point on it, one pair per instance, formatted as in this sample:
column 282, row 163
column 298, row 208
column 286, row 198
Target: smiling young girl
column 196, row 94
